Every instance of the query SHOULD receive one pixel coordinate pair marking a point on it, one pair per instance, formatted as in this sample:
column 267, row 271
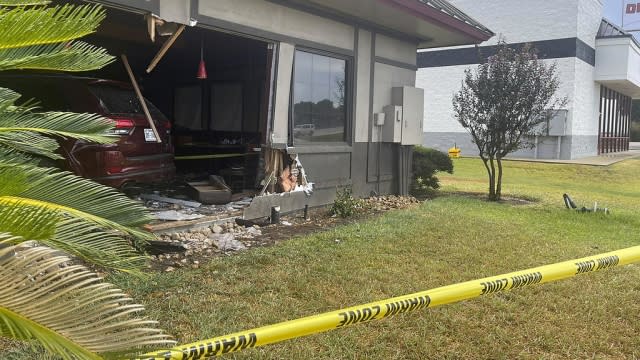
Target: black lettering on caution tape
column 215, row 348
column 526, row 279
column 403, row 306
column 607, row 262
column 358, row 316
column 490, row 287
column 585, row 266
column 598, row 264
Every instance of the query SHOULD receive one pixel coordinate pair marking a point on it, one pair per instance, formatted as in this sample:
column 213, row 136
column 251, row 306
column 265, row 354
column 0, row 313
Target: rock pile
column 206, row 242
column 389, row 202
column 227, row 238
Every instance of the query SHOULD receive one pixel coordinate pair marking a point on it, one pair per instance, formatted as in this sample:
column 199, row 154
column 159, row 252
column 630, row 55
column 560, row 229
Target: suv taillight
column 123, row 127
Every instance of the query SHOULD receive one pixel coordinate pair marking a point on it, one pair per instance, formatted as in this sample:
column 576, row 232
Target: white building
column 598, row 66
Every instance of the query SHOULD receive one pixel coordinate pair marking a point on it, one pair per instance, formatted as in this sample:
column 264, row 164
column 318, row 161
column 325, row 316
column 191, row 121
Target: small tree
column 503, row 103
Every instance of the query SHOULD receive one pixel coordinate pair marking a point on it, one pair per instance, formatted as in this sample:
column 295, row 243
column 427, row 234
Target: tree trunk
column 492, row 181
column 499, row 182
column 485, row 161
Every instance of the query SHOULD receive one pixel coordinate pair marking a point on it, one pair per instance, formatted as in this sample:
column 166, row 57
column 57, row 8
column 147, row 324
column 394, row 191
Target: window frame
column 348, row 101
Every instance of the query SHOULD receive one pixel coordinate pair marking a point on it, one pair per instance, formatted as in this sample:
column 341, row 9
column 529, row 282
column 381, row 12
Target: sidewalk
column 600, row 160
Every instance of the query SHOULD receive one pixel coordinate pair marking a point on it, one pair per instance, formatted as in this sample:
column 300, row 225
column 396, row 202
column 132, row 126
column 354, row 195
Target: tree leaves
column 503, row 104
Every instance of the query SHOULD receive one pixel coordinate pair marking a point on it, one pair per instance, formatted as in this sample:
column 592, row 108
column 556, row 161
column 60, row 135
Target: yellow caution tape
column 382, row 309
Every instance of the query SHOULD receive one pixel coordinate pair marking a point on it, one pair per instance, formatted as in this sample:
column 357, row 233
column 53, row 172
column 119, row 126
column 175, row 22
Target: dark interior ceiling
column 126, row 33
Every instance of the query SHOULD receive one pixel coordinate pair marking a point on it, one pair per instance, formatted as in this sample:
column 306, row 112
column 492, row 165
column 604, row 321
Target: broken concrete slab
column 288, row 202
column 227, row 242
column 173, row 215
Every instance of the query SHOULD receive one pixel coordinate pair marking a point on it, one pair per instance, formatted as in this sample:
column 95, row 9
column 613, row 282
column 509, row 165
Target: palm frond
column 66, row 308
column 28, row 222
column 75, row 196
column 15, row 157
column 28, row 26
column 77, row 56
column 22, row 128
column 29, row 143
column 7, row 238
column 23, row 2
column 96, row 245
column 74, row 236
column 25, row 118
column 8, row 98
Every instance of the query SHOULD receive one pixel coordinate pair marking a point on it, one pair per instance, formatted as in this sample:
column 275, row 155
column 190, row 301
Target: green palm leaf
column 29, row 143
column 72, row 235
column 23, row 119
column 97, row 246
column 11, row 156
column 23, row 2
column 28, row 222
column 67, row 308
column 77, row 56
column 28, row 26
column 74, row 196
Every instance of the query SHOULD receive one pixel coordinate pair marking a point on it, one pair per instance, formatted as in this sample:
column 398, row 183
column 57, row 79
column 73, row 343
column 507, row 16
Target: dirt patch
column 199, row 245
column 505, row 199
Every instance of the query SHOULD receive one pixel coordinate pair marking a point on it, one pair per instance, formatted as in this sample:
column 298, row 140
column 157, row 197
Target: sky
column 613, row 11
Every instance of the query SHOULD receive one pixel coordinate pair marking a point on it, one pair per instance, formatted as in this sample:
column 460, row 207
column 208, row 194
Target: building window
column 319, row 94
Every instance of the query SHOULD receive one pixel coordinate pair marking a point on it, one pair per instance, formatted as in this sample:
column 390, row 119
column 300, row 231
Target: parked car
column 135, row 158
column 304, row 129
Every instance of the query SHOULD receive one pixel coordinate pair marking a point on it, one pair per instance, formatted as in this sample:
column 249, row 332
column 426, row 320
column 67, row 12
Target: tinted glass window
column 114, row 100
column 319, row 113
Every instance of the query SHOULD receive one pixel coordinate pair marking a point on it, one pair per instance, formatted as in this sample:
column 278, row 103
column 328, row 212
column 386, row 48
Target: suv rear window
column 115, row 100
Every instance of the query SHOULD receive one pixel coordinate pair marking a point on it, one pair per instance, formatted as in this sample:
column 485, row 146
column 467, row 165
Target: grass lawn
column 450, row 239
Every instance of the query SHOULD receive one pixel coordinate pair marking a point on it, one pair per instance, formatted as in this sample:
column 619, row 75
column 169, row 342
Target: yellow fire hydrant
column 454, row 152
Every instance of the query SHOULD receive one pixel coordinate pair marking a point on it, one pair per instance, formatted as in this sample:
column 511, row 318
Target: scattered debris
column 170, row 200
column 212, row 191
column 227, row 242
column 568, row 202
column 173, row 215
column 189, row 248
column 162, row 247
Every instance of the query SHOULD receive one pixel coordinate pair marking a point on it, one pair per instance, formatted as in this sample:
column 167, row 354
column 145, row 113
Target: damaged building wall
column 375, row 62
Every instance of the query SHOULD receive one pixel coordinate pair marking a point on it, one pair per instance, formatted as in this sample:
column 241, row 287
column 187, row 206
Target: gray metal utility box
column 403, row 118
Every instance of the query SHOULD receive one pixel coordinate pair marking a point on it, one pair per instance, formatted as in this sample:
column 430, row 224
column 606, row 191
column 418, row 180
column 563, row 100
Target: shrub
column 426, row 163
column 345, row 204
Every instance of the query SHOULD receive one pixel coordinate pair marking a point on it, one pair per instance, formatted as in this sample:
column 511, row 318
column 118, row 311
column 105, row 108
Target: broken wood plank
column 143, row 103
column 165, row 47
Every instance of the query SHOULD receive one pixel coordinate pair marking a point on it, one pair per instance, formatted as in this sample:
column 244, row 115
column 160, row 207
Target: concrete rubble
column 168, row 209
column 216, row 239
column 185, row 248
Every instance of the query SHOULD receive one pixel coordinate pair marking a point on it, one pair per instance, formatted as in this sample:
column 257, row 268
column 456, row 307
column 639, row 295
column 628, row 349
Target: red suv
column 135, row 157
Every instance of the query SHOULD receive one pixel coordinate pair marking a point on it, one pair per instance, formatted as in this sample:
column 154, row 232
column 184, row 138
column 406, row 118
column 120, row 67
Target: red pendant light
column 202, row 69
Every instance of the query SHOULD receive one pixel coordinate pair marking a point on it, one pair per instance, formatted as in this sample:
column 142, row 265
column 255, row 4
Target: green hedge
column 426, row 163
